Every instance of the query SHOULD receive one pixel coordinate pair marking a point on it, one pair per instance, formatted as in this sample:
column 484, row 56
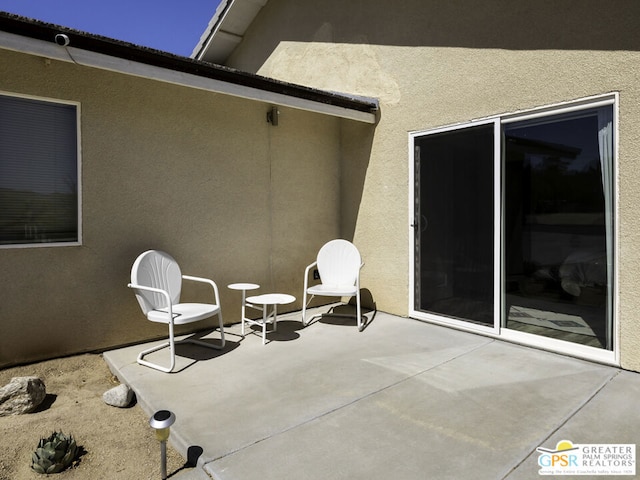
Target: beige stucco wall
column 434, row 63
column 198, row 174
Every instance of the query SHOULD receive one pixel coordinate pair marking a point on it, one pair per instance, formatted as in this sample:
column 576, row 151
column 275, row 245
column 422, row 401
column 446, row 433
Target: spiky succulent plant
column 54, row 453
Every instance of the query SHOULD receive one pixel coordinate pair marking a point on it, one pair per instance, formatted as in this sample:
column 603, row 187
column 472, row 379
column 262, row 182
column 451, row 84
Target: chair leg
column 156, row 366
column 202, row 343
column 172, row 348
column 359, row 313
column 172, row 352
column 305, row 304
column 221, row 327
column 304, row 309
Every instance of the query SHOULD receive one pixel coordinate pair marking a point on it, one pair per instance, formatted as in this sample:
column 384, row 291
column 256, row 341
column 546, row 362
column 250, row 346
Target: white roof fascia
column 115, row 64
column 226, row 29
column 210, row 31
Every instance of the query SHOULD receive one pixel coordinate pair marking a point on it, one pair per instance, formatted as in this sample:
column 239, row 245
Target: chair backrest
column 159, row 270
column 338, row 263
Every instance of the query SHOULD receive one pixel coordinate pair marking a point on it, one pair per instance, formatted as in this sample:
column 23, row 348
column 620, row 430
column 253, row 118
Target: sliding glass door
column 454, row 224
column 557, row 226
column 512, row 225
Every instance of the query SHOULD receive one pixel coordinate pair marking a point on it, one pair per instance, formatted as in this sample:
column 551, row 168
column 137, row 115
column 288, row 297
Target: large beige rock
column 21, row 395
column 120, row 396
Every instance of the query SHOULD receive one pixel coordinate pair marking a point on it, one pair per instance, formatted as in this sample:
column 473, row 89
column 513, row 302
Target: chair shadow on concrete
column 345, row 314
column 198, row 353
column 194, row 452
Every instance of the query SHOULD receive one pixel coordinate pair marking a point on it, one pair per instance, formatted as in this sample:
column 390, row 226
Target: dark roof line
column 107, row 46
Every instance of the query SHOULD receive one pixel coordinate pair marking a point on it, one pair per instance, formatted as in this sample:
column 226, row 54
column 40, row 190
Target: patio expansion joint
column 350, row 403
column 564, row 421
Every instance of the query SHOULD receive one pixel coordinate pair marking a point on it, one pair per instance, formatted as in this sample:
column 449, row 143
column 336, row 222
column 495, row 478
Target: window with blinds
column 39, row 189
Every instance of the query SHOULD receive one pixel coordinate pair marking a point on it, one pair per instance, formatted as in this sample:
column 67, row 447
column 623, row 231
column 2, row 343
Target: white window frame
column 611, row 357
column 77, row 106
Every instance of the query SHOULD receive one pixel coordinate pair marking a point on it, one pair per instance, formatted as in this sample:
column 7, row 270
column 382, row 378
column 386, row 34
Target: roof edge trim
column 100, row 52
column 214, row 24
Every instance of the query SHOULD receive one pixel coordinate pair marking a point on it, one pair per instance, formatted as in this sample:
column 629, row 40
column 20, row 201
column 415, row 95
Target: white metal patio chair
column 157, row 281
column 338, row 263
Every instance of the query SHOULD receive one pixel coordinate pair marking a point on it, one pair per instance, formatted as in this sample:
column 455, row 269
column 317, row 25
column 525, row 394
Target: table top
column 272, row 299
column 243, row 286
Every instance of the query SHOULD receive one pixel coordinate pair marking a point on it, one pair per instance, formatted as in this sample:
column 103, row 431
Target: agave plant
column 54, row 454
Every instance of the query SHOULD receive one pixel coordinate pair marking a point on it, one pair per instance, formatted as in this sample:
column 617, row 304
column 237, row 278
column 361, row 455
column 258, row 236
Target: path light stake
column 162, row 421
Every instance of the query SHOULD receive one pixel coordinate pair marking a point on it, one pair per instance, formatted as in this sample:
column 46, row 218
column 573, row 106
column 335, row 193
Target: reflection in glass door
column 557, row 226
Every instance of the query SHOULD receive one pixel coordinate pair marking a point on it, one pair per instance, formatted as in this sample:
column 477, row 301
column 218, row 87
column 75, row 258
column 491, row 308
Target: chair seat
column 333, row 290
column 156, row 279
column 184, row 313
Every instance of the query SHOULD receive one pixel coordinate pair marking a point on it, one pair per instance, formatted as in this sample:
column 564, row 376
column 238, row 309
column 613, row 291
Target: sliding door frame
column 413, row 225
column 611, row 357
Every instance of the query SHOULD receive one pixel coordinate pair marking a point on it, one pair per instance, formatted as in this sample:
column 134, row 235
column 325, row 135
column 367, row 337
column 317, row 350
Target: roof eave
column 37, row 38
column 214, row 24
column 226, row 29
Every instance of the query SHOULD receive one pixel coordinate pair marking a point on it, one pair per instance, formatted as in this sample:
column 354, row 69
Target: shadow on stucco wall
column 504, row 24
column 357, row 142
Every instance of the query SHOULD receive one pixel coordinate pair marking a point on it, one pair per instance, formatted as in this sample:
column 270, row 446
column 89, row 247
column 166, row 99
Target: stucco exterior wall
column 438, row 63
column 198, row 174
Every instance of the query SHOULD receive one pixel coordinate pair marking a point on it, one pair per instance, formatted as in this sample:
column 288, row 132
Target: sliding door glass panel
column 454, row 224
column 557, row 227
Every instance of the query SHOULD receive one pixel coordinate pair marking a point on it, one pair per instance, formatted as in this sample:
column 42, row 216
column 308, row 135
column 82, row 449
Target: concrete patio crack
column 561, row 424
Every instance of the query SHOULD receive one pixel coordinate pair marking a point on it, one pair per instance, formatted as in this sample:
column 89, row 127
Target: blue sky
column 170, row 25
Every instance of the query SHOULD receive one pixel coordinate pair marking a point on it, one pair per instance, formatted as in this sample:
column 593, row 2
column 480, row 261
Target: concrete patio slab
column 402, row 400
column 609, row 417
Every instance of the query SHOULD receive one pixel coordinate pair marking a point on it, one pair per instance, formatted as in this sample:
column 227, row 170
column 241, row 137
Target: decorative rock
column 120, row 396
column 21, row 395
